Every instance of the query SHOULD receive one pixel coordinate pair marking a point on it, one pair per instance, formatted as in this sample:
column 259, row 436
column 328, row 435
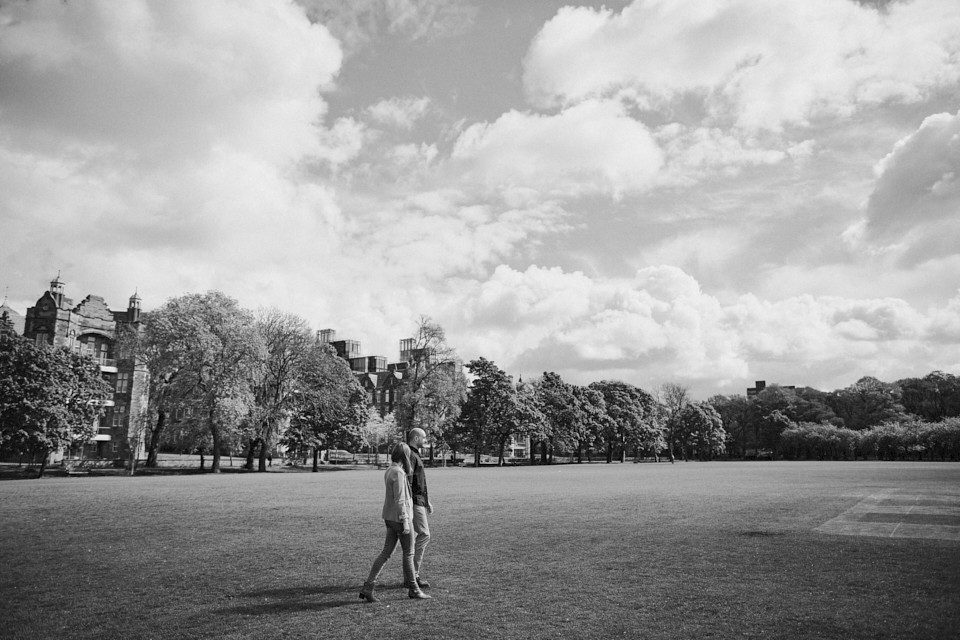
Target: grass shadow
column 293, row 599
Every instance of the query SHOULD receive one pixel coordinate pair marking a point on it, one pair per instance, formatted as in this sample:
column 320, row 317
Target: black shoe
column 423, row 584
column 366, row 593
column 416, row 594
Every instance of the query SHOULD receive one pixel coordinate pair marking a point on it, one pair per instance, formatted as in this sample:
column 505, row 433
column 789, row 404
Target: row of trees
column 223, row 378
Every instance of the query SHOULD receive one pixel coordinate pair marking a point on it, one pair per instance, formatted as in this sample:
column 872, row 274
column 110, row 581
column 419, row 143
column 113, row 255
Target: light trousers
column 422, row 530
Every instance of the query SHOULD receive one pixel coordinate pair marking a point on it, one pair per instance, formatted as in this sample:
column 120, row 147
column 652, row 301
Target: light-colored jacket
column 397, row 503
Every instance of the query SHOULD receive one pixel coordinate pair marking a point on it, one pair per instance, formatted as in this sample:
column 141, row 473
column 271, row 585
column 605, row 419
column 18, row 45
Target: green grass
column 695, row 550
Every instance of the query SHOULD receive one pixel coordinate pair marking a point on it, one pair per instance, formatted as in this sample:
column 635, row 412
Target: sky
column 705, row 193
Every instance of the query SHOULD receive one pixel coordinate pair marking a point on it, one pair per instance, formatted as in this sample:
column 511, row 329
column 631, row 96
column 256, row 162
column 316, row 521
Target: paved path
column 895, row 514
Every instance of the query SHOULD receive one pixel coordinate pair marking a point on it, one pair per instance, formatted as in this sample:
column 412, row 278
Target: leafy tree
column 702, row 430
column 735, row 413
column 377, row 430
column 487, row 412
column 591, row 419
column 287, row 339
column 673, row 399
column 556, row 400
column 434, row 387
column 203, row 349
column 630, row 410
column 49, row 397
column 932, row 398
column 527, row 418
column 867, row 403
column 330, row 407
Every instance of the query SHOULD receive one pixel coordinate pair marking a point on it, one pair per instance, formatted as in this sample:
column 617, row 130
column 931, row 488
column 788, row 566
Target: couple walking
column 405, row 509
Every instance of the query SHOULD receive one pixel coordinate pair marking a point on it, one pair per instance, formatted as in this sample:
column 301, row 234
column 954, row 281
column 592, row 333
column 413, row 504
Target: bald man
column 421, row 502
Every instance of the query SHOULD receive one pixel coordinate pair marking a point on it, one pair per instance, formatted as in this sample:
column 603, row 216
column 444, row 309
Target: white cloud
column 661, row 327
column 912, row 211
column 401, row 113
column 760, row 65
column 592, row 147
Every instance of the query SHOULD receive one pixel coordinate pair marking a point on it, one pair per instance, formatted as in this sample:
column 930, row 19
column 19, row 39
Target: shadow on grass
column 294, row 599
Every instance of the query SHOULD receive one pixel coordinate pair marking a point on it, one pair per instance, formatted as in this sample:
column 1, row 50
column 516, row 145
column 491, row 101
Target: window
column 123, row 383
column 119, row 415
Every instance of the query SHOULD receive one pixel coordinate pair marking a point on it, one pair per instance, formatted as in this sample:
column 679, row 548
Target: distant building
column 91, row 328
column 380, row 380
column 762, row 385
column 10, row 317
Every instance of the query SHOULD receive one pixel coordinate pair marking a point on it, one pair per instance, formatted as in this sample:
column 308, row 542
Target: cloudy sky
column 707, row 192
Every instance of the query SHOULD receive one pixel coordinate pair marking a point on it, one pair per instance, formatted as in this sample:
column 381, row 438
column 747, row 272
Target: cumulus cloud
column 759, row 65
column 660, row 326
column 592, row 147
column 913, row 207
column 168, row 134
column 402, row 113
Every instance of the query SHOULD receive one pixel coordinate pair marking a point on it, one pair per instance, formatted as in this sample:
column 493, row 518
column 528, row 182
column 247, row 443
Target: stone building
column 91, row 328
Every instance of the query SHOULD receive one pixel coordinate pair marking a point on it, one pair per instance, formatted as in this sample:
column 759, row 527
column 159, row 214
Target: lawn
column 691, row 550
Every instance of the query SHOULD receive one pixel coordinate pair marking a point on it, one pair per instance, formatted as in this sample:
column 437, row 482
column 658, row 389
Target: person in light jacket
column 398, row 517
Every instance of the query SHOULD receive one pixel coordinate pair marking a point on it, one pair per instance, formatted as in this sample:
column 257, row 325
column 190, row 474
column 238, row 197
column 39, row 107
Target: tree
column 203, row 350
column 702, row 430
column 591, row 419
column 376, row 430
column 555, row 398
column 433, row 387
column 933, row 397
column 527, row 417
column 630, row 409
column 867, row 403
column 287, row 339
column 735, row 413
column 674, row 398
column 487, row 413
column 49, row 397
column 330, row 406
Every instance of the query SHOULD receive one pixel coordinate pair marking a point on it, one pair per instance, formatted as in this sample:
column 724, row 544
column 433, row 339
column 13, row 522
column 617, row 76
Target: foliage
column 486, row 416
column 556, row 401
column 330, row 406
column 287, row 339
column 932, row 398
column 49, row 397
column 701, row 430
column 433, row 387
column 632, row 417
column 866, row 403
column 203, row 350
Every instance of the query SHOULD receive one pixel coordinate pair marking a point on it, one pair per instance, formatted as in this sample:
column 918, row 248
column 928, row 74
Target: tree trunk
column 476, row 457
column 500, row 453
column 263, row 455
column 609, row 452
column 579, row 453
column 215, row 433
column 43, row 463
column 543, row 452
column 251, row 449
column 316, row 459
column 155, row 439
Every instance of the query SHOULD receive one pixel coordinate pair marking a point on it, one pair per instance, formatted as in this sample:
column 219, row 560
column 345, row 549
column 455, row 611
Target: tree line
column 227, row 379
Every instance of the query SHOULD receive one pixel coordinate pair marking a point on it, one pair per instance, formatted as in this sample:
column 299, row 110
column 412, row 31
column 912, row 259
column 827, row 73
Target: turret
column 133, row 308
column 56, row 290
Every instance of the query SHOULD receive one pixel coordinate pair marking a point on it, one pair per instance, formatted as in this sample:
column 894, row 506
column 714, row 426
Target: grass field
column 695, row 550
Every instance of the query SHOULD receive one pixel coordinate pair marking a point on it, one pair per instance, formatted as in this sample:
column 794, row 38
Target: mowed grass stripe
column 891, row 513
column 593, row 551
